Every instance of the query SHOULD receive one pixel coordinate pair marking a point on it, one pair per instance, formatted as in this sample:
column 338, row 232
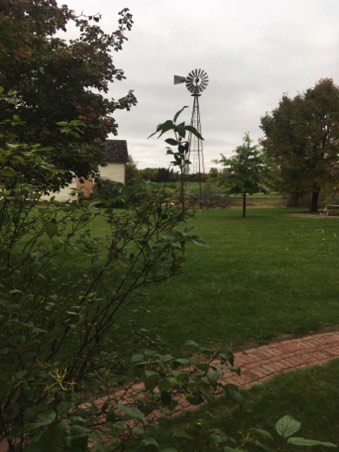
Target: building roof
column 115, row 151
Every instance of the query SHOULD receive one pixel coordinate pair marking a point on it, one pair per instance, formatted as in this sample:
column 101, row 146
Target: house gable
column 115, row 152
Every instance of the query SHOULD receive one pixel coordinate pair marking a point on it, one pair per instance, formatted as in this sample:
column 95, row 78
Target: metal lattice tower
column 196, row 152
column 196, row 82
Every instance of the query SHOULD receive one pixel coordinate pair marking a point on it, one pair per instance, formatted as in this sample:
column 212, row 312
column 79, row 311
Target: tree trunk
column 244, row 205
column 294, row 200
column 314, row 200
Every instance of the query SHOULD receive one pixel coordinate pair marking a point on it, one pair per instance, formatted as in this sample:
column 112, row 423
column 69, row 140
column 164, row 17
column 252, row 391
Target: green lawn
column 263, row 277
column 310, row 396
column 260, row 278
column 266, row 276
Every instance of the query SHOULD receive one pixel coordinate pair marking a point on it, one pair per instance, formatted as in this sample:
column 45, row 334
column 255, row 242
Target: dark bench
column 329, row 209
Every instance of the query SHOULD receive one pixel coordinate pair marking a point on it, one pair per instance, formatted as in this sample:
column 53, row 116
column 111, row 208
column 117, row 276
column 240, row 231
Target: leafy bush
column 109, row 193
column 55, row 321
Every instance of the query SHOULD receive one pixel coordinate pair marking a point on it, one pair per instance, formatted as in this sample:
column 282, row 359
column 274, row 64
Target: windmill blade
column 196, row 81
column 179, row 79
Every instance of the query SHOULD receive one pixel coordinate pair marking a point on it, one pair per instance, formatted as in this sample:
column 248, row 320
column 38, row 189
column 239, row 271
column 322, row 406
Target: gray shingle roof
column 115, row 152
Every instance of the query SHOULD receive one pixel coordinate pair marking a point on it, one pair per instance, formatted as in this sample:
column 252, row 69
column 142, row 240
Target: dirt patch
column 312, row 215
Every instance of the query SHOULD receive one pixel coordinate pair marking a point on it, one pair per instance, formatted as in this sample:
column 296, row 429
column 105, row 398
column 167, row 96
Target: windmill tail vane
column 179, row 79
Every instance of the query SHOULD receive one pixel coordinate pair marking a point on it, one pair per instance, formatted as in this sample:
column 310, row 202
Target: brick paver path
column 259, row 364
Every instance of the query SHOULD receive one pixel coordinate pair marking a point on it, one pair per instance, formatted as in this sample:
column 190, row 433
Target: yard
column 259, row 279
column 272, row 275
column 267, row 276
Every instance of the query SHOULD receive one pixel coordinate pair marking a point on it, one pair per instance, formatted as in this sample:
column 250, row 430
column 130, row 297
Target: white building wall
column 62, row 195
column 113, row 171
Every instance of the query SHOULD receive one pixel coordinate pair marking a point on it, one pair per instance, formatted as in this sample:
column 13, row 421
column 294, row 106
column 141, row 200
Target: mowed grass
column 310, row 396
column 262, row 277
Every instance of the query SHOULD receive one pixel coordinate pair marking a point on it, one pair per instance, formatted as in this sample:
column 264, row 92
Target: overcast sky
column 253, row 52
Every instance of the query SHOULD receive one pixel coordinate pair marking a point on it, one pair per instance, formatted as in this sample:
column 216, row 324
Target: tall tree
column 302, row 140
column 245, row 171
column 55, row 80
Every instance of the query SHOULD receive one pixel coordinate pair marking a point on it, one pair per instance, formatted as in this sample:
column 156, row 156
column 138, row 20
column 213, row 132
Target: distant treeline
column 163, row 175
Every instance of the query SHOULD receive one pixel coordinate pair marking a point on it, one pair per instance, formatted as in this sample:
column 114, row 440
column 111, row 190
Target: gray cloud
column 253, row 52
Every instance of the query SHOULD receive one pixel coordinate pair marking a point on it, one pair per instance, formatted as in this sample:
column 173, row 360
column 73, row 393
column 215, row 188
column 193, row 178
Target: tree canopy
column 244, row 172
column 55, row 80
column 302, row 140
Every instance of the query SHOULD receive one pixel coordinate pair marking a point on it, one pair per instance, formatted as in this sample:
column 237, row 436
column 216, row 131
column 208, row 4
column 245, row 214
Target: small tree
column 132, row 173
column 56, row 322
column 244, row 172
column 180, row 155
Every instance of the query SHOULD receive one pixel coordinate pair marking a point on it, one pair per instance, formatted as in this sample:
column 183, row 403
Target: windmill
column 196, row 81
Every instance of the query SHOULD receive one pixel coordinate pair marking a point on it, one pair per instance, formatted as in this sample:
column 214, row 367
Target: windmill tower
column 196, row 81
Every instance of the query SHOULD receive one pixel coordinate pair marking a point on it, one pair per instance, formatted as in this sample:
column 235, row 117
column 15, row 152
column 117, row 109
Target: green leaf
column 32, row 446
column 206, row 394
column 178, row 113
column 191, row 343
column 79, row 430
column 111, row 416
column 182, row 361
column 226, row 356
column 287, row 426
column 195, row 398
column 166, row 398
column 171, row 141
column 183, row 435
column 299, row 441
column 138, row 431
column 261, row 446
column 167, row 383
column 150, row 442
column 14, row 291
column 194, row 131
column 132, row 412
column 53, row 435
column 151, row 378
column 231, row 449
column 263, row 434
column 8, row 172
column 234, row 394
column 43, row 419
column 163, row 128
column 51, row 229
column 213, row 377
column 64, row 407
column 198, row 241
column 180, row 376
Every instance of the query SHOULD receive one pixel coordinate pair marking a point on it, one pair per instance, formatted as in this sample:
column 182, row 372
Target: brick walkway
column 262, row 363
column 259, row 364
